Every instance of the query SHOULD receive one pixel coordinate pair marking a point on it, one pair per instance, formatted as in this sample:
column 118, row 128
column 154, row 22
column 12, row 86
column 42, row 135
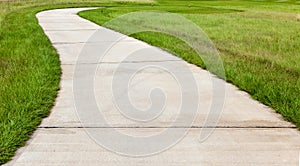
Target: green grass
column 29, row 71
column 259, row 42
column 29, row 77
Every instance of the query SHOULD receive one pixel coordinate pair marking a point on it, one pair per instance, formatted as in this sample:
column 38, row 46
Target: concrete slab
column 248, row 132
column 246, row 113
column 224, row 147
column 69, row 26
column 62, row 37
column 117, row 53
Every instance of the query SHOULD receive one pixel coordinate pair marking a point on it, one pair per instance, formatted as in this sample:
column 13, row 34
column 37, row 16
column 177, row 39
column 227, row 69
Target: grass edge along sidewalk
column 270, row 82
column 29, row 72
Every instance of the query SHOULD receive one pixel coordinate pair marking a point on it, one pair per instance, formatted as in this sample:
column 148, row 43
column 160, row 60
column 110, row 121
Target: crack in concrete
column 155, row 61
column 55, row 30
column 66, row 43
column 174, row 127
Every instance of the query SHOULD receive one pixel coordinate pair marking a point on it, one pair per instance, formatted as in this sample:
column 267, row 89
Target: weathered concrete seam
column 175, row 127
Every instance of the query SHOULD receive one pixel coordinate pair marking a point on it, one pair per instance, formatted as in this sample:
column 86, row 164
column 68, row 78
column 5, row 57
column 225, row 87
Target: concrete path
column 248, row 133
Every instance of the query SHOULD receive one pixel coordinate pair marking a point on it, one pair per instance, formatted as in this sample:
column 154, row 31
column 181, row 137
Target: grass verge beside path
column 259, row 43
column 29, row 77
column 29, row 70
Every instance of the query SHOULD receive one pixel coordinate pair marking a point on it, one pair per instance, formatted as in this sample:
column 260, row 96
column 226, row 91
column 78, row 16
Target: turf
column 259, row 42
column 29, row 70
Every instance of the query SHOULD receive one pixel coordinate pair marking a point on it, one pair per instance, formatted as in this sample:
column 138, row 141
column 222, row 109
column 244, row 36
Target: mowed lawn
column 259, row 42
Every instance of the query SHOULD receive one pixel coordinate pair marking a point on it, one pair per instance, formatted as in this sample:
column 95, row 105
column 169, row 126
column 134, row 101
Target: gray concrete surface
column 248, row 133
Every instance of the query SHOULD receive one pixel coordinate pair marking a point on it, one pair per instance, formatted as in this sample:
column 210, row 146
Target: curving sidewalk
column 247, row 133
